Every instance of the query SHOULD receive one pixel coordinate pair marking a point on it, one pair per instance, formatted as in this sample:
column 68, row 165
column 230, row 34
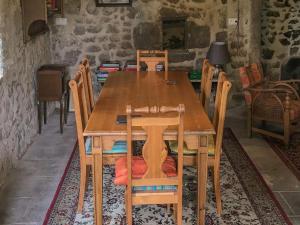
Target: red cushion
column 139, row 168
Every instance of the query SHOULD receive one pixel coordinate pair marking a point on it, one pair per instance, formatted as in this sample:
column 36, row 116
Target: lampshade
column 218, row 53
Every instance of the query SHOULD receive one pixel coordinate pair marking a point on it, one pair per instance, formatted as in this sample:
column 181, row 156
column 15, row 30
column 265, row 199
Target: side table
column 52, row 85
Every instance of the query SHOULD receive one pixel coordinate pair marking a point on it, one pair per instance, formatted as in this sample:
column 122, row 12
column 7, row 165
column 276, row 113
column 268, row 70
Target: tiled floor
column 31, row 186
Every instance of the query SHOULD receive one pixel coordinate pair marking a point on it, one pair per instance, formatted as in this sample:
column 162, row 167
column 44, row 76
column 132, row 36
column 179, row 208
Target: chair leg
column 217, row 187
column 40, row 116
column 128, row 208
column 286, row 129
column 249, row 122
column 61, row 115
column 179, row 213
column 83, row 173
column 175, row 212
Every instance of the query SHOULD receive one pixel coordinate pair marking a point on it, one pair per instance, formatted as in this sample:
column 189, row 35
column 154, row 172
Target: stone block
column 147, row 36
column 198, row 35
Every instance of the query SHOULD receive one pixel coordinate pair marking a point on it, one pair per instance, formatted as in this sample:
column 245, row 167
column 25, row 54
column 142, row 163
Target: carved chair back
column 152, row 58
column 154, row 150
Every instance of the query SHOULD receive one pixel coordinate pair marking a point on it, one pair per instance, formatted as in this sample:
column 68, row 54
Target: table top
column 146, row 89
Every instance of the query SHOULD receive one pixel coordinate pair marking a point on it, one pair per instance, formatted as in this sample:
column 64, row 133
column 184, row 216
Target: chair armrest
column 289, row 81
column 269, row 90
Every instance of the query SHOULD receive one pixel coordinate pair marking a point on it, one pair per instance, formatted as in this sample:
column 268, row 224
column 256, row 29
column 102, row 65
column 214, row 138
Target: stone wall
column 280, row 33
column 113, row 33
column 18, row 111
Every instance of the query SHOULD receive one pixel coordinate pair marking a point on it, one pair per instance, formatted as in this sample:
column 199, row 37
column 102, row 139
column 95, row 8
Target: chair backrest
column 206, row 83
column 80, row 107
column 223, row 88
column 152, row 58
column 155, row 150
column 87, row 79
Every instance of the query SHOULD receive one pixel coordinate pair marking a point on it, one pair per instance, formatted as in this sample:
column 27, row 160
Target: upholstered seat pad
column 186, row 151
column 139, row 168
column 295, row 109
column 118, row 147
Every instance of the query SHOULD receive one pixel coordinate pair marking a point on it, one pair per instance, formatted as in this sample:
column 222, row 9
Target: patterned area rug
column 290, row 156
column 246, row 198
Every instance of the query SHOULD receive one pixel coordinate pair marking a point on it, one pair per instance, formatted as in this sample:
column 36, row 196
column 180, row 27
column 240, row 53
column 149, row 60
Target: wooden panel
column 146, row 88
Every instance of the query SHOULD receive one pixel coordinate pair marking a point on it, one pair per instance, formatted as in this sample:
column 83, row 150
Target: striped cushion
column 211, row 147
column 256, row 72
column 155, row 188
column 118, row 147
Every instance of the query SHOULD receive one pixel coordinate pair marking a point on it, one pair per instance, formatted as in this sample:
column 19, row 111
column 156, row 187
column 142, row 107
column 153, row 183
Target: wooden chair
column 87, row 79
column 154, row 178
column 85, row 149
column 152, row 58
column 215, row 141
column 275, row 102
column 206, row 83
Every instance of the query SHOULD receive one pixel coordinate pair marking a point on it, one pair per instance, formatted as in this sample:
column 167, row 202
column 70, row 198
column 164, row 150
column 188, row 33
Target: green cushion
column 186, row 151
column 118, row 147
column 155, row 188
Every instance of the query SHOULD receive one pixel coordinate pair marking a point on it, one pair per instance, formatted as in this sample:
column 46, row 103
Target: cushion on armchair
column 118, row 147
column 295, row 109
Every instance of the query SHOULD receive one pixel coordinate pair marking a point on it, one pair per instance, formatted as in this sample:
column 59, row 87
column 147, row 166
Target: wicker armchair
column 273, row 102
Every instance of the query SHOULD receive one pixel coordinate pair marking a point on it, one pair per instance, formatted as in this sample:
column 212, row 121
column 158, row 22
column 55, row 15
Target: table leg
column 40, row 116
column 61, row 108
column 202, row 158
column 97, row 179
column 45, row 112
column 66, row 109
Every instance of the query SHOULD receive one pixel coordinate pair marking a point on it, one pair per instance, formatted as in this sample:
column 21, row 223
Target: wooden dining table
column 150, row 89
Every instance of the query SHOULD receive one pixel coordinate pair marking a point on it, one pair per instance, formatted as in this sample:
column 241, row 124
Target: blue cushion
column 118, row 147
column 155, row 188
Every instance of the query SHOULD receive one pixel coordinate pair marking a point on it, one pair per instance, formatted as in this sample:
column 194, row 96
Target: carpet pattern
column 290, row 156
column 246, row 198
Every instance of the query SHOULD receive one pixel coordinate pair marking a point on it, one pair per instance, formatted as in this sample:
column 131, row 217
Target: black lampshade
column 218, row 53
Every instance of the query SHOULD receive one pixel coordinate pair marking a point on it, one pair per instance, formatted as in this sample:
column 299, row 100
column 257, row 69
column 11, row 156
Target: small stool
column 52, row 85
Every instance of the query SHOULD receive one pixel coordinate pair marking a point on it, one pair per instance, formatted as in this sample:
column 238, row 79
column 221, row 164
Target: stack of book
column 106, row 68
column 160, row 67
column 130, row 65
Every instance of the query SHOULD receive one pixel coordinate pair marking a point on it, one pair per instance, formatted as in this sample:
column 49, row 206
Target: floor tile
column 295, row 220
column 293, row 199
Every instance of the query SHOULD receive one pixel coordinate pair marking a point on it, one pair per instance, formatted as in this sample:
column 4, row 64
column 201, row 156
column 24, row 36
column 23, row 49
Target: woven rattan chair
column 276, row 103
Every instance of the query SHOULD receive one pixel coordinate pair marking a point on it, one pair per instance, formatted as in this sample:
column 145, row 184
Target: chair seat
column 173, row 145
column 139, row 168
column 118, row 147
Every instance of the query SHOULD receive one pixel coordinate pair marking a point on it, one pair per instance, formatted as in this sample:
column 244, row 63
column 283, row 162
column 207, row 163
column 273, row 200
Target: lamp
column 218, row 54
